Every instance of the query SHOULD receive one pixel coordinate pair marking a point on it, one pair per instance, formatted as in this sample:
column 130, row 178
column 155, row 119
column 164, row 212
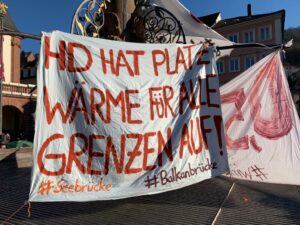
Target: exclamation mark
column 218, row 124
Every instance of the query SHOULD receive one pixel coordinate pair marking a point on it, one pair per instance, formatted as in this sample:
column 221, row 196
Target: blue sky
column 34, row 16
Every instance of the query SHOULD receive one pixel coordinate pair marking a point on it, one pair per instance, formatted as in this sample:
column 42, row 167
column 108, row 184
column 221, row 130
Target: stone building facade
column 18, row 104
column 266, row 28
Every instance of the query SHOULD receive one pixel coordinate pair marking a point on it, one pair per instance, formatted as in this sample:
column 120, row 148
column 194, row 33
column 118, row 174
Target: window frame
column 248, row 57
column 264, row 28
column 253, row 36
column 232, row 35
column 223, row 66
column 25, row 73
column 33, row 72
column 238, row 65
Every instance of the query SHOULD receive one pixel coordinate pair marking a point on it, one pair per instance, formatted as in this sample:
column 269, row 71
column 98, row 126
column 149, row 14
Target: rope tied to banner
column 18, row 210
column 29, row 210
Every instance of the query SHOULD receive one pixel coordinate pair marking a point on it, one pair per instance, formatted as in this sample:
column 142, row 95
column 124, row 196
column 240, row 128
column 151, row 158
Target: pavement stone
column 247, row 203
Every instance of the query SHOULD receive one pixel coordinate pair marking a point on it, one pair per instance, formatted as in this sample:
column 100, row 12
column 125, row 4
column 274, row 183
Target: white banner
column 118, row 119
column 261, row 124
column 194, row 29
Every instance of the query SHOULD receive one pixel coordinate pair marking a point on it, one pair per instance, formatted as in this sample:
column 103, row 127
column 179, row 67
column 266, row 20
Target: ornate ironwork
column 154, row 24
column 142, row 2
column 149, row 23
column 89, row 18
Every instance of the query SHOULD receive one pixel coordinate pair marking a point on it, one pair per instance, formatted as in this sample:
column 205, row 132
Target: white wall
column 7, row 58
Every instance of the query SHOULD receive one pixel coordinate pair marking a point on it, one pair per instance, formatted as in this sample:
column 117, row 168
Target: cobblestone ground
column 247, row 203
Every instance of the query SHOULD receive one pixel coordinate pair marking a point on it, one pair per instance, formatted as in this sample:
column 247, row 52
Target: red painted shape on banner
column 184, row 141
column 210, row 91
column 136, row 55
column 164, row 146
column 199, row 137
column 50, row 113
column 96, row 106
column 123, row 62
column 254, row 144
column 189, row 97
column 53, row 156
column 160, row 102
column 218, row 123
column 71, row 59
column 135, row 153
column 109, row 61
column 130, row 105
column 199, row 92
column 74, row 155
column 201, row 54
column 280, row 122
column 238, row 99
column 80, row 107
column 189, row 52
column 170, row 69
column 148, row 151
column 110, row 149
column 128, row 60
column 195, row 133
column 204, row 129
column 61, row 55
column 67, row 50
column 162, row 59
column 93, row 154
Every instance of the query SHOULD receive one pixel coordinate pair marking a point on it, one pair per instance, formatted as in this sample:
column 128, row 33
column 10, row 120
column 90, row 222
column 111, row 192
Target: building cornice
column 253, row 21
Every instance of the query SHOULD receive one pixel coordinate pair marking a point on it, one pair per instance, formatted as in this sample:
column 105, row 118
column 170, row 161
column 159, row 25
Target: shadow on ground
column 248, row 203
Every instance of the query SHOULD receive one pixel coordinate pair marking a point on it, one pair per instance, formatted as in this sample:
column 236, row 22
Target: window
column 33, row 72
column 248, row 37
column 234, row 65
column 220, row 67
column 234, row 38
column 265, row 33
column 25, row 73
column 249, row 61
